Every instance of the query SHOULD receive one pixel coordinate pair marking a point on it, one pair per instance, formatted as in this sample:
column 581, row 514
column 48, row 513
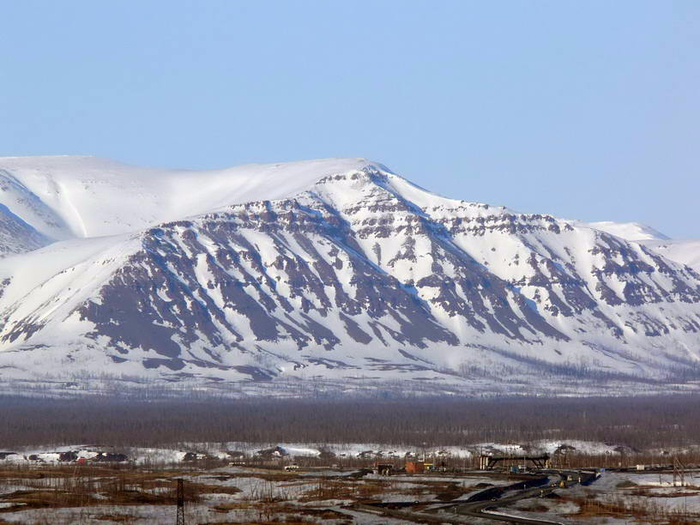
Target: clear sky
column 586, row 110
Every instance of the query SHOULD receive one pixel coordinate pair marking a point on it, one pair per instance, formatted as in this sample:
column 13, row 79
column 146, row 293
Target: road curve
column 478, row 509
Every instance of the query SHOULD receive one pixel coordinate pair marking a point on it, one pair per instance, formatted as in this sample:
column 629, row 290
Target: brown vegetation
column 672, row 421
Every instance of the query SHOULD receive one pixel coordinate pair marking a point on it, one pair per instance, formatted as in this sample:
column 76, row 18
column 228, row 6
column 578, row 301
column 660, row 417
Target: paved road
column 477, row 505
column 474, row 509
column 477, row 509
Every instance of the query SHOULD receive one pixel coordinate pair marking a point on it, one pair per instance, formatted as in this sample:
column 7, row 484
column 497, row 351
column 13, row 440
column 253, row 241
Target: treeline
column 639, row 422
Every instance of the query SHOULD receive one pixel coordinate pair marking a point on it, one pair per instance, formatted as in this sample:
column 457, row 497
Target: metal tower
column 678, row 471
column 180, row 503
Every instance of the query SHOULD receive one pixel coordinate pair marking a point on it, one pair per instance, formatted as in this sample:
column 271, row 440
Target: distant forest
column 640, row 422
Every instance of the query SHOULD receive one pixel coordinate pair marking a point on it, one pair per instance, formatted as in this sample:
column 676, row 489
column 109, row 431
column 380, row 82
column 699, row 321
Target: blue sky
column 585, row 110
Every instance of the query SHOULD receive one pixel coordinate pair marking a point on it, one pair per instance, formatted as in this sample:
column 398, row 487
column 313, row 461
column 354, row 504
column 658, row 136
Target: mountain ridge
column 359, row 274
column 71, row 196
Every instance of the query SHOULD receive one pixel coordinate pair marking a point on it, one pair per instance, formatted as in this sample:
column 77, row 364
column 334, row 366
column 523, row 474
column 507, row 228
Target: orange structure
column 415, row 467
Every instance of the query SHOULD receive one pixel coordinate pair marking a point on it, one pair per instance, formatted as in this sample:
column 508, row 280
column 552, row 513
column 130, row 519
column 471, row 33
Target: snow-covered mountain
column 331, row 269
column 632, row 231
column 684, row 251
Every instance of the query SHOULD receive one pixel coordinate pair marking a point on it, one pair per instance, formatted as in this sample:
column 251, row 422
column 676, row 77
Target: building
column 415, row 467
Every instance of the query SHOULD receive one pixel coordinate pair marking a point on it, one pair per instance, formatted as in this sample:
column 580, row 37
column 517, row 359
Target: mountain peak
column 66, row 197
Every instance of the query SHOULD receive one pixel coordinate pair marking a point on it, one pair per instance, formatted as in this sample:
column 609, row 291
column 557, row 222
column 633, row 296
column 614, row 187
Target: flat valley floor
column 91, row 494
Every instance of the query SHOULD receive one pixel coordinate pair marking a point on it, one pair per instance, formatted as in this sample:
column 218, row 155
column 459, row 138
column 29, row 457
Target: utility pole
column 180, row 502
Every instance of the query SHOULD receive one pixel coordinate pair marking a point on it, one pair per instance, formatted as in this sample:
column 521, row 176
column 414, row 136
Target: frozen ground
column 141, row 493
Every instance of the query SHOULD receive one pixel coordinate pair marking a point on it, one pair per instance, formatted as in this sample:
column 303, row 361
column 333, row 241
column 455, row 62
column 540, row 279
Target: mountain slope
column 684, row 251
column 631, row 231
column 78, row 197
column 16, row 236
column 351, row 272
